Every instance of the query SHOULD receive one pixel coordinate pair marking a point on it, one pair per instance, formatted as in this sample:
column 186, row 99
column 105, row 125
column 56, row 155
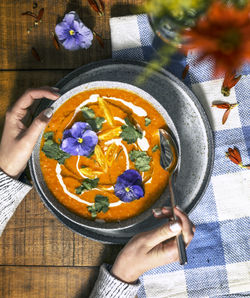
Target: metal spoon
column 169, row 162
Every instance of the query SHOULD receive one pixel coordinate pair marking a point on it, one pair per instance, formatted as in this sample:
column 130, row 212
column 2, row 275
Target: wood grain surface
column 47, row 282
column 40, row 257
column 16, row 43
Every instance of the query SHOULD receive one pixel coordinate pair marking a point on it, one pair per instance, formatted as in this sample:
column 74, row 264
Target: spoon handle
column 179, row 238
column 181, row 249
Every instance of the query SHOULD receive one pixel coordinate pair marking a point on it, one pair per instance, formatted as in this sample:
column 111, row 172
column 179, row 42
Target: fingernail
column 56, row 91
column 179, row 208
column 55, row 88
column 175, row 227
column 157, row 211
column 167, row 208
column 48, row 112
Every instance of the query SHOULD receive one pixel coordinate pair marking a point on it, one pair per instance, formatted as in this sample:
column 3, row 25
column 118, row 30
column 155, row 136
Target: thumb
column 164, row 232
column 37, row 126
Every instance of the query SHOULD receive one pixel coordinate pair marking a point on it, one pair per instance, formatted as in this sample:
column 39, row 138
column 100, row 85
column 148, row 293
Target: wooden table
column 40, row 257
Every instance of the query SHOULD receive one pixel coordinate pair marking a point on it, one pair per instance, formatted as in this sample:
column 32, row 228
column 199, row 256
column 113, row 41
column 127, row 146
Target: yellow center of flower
column 80, row 140
column 71, row 32
column 127, row 189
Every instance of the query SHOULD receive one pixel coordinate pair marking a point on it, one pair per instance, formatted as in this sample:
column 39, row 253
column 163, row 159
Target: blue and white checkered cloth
column 219, row 255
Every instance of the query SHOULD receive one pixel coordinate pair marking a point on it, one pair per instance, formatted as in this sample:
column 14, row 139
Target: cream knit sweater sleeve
column 11, row 194
column 107, row 286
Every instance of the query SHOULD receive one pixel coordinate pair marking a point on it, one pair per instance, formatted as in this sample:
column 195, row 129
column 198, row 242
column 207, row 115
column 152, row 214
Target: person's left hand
column 18, row 139
column 151, row 249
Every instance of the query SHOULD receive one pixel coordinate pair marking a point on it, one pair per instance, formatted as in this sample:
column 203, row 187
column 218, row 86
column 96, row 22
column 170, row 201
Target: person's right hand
column 151, row 249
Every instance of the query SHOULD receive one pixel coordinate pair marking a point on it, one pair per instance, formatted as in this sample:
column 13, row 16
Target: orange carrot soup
column 100, row 154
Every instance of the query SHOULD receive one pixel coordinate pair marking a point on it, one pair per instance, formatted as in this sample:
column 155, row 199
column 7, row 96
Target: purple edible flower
column 72, row 33
column 79, row 140
column 128, row 186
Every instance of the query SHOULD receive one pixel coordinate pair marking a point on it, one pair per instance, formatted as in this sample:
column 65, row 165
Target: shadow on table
column 110, row 253
column 121, row 9
column 84, row 13
column 86, row 289
column 108, row 256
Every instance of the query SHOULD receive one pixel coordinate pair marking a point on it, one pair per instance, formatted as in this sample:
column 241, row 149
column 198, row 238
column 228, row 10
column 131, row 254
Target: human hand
column 151, row 249
column 19, row 138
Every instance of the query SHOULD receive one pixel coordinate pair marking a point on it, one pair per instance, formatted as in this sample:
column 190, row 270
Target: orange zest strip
column 101, row 159
column 90, row 173
column 111, row 153
column 110, row 134
column 108, row 116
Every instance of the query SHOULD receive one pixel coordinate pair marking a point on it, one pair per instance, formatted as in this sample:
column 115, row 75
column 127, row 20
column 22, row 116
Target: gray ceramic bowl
column 48, row 196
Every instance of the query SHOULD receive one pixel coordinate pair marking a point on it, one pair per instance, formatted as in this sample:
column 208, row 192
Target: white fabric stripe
column 125, row 33
column 238, row 275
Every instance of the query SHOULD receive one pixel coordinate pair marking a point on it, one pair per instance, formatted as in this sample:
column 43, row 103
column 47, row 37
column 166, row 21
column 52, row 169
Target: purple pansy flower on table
column 80, row 139
column 128, row 186
column 72, row 33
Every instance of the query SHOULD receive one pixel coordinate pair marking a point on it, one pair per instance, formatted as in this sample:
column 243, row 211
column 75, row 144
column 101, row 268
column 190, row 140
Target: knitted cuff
column 11, row 194
column 109, row 287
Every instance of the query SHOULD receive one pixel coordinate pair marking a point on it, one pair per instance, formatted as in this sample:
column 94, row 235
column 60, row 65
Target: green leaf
column 91, row 119
column 147, row 121
column 48, row 135
column 141, row 160
column 88, row 113
column 52, row 149
column 87, row 184
column 105, row 209
column 129, row 133
column 101, row 205
column 92, row 210
column 96, row 123
column 155, row 148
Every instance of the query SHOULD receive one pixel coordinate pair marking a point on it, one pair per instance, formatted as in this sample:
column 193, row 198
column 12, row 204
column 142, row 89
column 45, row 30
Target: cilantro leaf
column 48, row 135
column 147, row 121
column 129, row 133
column 96, row 123
column 88, row 113
column 52, row 149
column 141, row 160
column 87, row 184
column 155, row 148
column 91, row 119
column 101, row 205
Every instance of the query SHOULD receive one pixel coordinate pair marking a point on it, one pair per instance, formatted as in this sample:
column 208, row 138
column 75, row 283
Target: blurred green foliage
column 183, row 12
column 237, row 3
